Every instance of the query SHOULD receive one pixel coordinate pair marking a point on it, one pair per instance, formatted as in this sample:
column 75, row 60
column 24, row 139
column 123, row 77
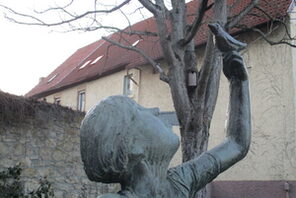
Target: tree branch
column 207, row 67
column 197, row 22
column 154, row 64
column 160, row 13
column 236, row 19
column 178, row 19
column 74, row 18
column 20, row 14
column 274, row 20
column 55, row 8
column 126, row 18
column 235, row 4
column 115, row 29
column 264, row 35
column 149, row 6
column 163, row 32
column 282, row 41
column 208, row 84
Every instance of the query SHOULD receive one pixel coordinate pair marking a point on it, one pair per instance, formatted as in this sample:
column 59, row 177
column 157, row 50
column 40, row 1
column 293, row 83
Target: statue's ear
column 136, row 155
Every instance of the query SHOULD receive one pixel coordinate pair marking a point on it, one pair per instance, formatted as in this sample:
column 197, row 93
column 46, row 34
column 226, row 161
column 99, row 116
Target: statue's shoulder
column 110, row 195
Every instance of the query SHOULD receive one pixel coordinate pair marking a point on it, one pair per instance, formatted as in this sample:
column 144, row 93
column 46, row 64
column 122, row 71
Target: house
column 101, row 69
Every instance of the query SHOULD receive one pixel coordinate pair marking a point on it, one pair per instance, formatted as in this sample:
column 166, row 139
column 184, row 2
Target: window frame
column 57, row 100
column 128, row 85
column 81, row 100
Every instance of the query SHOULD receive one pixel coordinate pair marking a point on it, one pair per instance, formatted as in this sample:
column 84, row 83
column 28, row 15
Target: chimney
column 41, row 79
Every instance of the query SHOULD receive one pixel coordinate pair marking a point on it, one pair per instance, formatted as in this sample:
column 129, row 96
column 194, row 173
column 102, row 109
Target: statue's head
column 117, row 134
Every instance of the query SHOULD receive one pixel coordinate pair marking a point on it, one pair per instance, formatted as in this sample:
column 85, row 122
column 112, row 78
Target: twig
column 149, row 6
column 282, row 41
column 197, row 22
column 55, row 8
column 154, row 64
column 74, row 18
column 235, row 20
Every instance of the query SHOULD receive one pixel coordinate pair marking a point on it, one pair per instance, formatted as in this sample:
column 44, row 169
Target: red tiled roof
column 115, row 58
column 63, row 70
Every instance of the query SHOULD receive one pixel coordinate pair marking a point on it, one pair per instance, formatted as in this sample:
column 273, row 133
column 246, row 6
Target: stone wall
column 45, row 140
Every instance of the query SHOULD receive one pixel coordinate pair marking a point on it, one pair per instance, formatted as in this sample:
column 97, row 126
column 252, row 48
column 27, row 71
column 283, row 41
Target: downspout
column 292, row 26
column 287, row 189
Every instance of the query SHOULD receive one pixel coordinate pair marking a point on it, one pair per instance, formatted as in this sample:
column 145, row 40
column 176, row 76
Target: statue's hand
column 233, row 66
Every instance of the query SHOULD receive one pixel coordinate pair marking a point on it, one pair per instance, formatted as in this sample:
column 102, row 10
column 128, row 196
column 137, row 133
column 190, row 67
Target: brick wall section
column 46, row 142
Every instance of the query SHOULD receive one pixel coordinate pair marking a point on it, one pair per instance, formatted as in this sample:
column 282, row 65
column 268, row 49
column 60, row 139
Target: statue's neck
column 147, row 180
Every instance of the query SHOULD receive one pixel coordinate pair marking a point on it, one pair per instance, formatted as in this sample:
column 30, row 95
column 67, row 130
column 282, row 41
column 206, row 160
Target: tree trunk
column 193, row 144
column 194, row 106
column 195, row 134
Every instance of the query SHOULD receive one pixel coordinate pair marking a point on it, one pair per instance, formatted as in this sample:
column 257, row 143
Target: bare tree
column 194, row 105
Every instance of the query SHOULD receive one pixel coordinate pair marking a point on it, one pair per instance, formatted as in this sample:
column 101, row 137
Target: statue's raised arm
column 198, row 172
column 238, row 135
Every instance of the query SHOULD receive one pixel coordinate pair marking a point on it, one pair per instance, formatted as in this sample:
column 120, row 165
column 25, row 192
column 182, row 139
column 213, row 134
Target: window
column 128, row 85
column 292, row 6
column 84, row 65
column 53, row 77
column 136, row 43
column 81, row 101
column 97, row 59
column 57, row 101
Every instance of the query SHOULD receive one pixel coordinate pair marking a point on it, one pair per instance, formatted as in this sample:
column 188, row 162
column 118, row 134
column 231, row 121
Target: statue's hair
column 106, row 141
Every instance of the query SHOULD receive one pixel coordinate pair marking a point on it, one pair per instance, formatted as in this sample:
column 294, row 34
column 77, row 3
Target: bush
column 12, row 187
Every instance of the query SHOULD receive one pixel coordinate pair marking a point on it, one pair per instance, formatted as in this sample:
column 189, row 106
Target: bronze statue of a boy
column 122, row 142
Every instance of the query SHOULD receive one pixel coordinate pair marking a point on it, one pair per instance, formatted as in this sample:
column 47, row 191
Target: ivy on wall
column 17, row 109
column 11, row 185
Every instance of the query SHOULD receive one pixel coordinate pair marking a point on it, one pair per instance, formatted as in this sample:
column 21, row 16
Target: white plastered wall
column 97, row 90
column 273, row 114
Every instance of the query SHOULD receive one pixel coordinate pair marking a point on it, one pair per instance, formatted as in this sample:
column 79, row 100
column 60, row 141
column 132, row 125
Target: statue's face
column 155, row 137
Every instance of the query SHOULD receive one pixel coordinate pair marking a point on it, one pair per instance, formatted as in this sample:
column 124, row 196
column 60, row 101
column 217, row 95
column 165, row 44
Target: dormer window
column 51, row 79
column 85, row 64
column 136, row 43
column 97, row 59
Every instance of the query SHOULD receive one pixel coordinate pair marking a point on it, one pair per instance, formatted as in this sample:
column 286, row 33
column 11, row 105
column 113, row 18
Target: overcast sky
column 31, row 52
